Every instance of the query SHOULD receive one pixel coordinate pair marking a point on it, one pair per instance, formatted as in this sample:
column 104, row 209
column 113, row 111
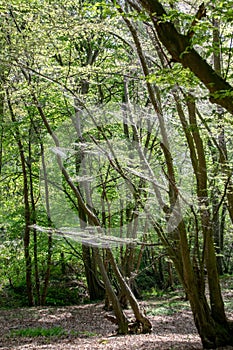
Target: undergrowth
column 56, row 331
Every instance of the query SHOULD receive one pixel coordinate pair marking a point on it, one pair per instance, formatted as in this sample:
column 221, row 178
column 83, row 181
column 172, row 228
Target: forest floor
column 85, row 327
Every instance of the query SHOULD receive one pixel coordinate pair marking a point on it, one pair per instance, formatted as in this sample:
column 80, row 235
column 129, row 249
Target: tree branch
column 181, row 50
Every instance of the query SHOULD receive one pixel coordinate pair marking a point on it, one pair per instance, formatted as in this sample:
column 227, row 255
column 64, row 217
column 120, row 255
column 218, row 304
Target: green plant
column 168, row 305
column 55, row 331
column 39, row 331
column 159, row 311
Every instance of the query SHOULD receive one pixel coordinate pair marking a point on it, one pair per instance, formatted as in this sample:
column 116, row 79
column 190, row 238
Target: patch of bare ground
column 87, row 328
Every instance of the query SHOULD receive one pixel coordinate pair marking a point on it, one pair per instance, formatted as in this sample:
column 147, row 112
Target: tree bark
column 33, row 219
column 1, row 121
column 27, row 214
column 180, row 48
column 95, row 287
column 50, row 239
column 142, row 322
column 121, row 318
column 210, row 321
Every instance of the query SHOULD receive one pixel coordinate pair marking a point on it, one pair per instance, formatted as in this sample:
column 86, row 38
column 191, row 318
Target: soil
column 85, row 327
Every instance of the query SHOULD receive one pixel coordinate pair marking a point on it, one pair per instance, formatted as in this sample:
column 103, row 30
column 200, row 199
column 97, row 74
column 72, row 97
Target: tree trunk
column 50, row 239
column 143, row 324
column 1, row 121
column 27, row 214
column 33, row 219
column 95, row 287
column 213, row 328
column 205, row 319
column 210, row 322
column 121, row 318
column 179, row 46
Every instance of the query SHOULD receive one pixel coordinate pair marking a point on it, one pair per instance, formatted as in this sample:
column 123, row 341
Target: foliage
column 56, row 331
column 115, row 104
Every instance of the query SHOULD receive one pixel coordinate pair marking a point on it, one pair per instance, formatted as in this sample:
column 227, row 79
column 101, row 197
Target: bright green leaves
column 223, row 10
column 167, row 78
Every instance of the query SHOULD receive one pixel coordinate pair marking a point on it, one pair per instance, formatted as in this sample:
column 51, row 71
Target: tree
column 28, row 67
column 181, row 50
column 138, row 135
column 27, row 216
column 211, row 322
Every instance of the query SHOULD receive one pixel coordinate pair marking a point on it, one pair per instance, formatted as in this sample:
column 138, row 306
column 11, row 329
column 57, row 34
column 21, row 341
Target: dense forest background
column 116, row 155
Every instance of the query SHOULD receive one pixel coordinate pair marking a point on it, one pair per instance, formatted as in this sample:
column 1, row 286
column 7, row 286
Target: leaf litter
column 86, row 328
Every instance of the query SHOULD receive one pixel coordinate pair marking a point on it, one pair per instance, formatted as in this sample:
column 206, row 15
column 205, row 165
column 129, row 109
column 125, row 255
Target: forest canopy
column 116, row 153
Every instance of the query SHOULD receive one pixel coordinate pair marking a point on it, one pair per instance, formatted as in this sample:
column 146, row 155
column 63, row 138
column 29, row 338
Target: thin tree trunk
column 223, row 156
column 50, row 239
column 1, row 123
column 27, row 214
column 33, row 220
column 95, row 288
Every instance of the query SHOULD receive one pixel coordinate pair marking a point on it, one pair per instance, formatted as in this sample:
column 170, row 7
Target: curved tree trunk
column 142, row 324
column 210, row 320
column 179, row 46
column 121, row 318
